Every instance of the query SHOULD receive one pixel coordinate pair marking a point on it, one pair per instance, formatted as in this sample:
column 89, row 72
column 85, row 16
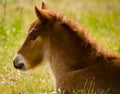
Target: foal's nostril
column 19, row 66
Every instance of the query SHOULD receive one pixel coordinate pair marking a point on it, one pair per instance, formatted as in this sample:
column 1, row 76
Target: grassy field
column 100, row 17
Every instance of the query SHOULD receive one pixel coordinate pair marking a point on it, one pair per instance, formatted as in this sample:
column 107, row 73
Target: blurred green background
column 101, row 18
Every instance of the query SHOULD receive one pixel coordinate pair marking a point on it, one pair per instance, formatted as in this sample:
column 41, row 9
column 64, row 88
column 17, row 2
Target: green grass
column 100, row 17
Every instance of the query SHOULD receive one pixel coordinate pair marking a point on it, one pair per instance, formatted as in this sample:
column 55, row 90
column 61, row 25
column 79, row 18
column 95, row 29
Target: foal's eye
column 33, row 37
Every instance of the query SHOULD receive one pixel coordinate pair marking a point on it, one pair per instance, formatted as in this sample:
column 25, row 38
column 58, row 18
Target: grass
column 100, row 17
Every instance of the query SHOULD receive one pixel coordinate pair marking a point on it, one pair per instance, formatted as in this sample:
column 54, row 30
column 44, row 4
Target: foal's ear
column 44, row 6
column 42, row 15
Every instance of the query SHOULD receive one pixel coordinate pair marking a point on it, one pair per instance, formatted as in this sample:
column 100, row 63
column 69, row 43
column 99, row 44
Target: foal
column 73, row 55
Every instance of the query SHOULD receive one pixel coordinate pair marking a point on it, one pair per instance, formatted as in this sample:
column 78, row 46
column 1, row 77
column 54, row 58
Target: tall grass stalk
column 3, row 18
column 4, row 11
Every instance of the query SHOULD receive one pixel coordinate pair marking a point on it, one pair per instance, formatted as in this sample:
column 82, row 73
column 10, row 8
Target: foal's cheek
column 37, row 44
column 37, row 48
column 33, row 44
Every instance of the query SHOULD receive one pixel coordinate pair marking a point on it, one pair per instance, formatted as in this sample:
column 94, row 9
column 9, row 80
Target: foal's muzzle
column 17, row 65
column 19, row 62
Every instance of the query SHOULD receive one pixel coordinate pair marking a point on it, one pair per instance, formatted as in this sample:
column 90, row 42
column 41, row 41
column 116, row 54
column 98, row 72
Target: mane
column 87, row 41
column 71, row 25
column 79, row 30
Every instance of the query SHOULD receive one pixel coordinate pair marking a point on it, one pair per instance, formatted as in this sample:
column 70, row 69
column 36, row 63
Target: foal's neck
column 68, row 52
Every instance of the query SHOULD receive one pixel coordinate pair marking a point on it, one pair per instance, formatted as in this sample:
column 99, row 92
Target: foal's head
column 35, row 46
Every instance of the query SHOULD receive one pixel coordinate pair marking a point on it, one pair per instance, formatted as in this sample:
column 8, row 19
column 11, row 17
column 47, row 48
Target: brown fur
column 73, row 55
